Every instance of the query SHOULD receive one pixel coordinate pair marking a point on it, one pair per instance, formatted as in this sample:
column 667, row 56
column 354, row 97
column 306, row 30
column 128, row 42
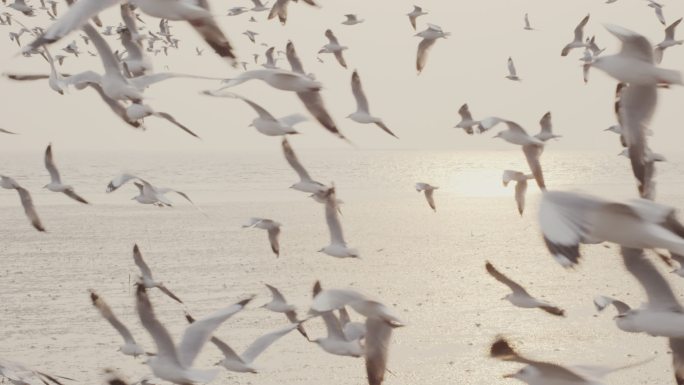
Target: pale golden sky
column 469, row 66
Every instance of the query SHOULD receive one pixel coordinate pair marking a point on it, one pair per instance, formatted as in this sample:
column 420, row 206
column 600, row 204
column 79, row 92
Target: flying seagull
column 352, row 19
column 147, row 279
column 578, row 40
column 512, row 74
column 527, row 24
column 278, row 304
column 429, row 191
column 467, row 123
column 337, row 247
column 273, row 229
column 520, row 297
column 669, row 41
column 362, row 113
column 520, row 186
column 413, row 15
column 130, row 347
column 305, row 184
column 26, row 201
column 56, row 182
column 334, row 47
column 430, row 36
column 545, row 133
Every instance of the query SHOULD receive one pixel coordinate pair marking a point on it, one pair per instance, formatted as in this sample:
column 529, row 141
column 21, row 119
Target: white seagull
column 352, row 19
column 26, row 201
column 413, row 15
column 147, row 279
column 273, row 229
column 130, row 347
column 658, row 8
column 430, row 36
column 278, row 304
column 429, row 191
column 148, row 194
column 545, row 133
column 266, row 123
column 520, row 186
column 669, row 41
column 305, row 184
column 334, row 47
column 512, row 74
column 578, row 40
column 467, row 123
column 55, row 184
column 520, row 297
column 277, row 78
column 335, row 342
column 362, row 113
column 527, row 24
column 337, row 247
column 173, row 362
column 569, row 219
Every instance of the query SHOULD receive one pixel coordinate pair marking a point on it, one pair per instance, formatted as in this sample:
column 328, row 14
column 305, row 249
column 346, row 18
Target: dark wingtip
column 189, row 318
column 501, row 349
column 244, row 302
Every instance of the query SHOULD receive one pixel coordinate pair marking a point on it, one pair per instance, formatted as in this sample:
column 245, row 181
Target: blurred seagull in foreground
column 26, row 201
column 578, row 40
column 273, row 229
column 429, row 191
column 520, row 297
column 147, row 279
column 570, row 219
column 362, row 113
column 520, row 186
column 55, row 184
column 173, row 362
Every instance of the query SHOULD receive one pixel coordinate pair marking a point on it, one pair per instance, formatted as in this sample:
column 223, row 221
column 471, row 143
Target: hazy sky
column 469, row 66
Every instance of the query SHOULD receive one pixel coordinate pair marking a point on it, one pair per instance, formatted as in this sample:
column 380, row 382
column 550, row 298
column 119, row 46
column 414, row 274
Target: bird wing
column 340, row 59
column 332, row 218
column 212, row 34
column 7, row 132
column 72, row 194
column 331, row 37
column 509, row 175
column 107, row 314
column 677, row 347
column 145, row 81
column 601, row 302
column 116, row 106
column 263, row 342
column 279, row 9
column 50, row 165
column 634, row 45
column 579, row 30
column 378, row 335
column 263, row 114
column 109, row 61
column 511, row 67
column 314, row 104
column 423, row 49
column 333, row 299
column 291, row 158
column 293, row 59
column 292, row 119
column 120, row 181
column 273, row 233
column 21, row 77
column 277, row 296
column 29, row 208
column 532, row 154
column 199, row 332
column 658, row 291
column 464, row 111
column 140, row 262
column 357, row 90
column 412, row 19
column 168, row 292
column 162, row 339
column 502, row 350
column 226, row 350
column 382, row 125
column 545, row 123
column 173, row 120
column 514, row 286
column 430, row 198
column 670, row 31
column 520, row 189
column 75, row 17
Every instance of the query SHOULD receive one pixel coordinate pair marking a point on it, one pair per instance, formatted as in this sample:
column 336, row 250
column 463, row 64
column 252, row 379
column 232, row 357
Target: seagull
column 591, row 45
column 199, row 51
column 270, row 60
column 149, row 194
column 520, row 297
column 635, row 63
column 334, row 47
column 130, row 347
column 280, row 9
column 278, row 304
column 380, row 321
column 259, row 6
column 578, row 40
column 335, row 342
column 362, row 114
column 55, row 184
column 429, row 190
column 26, row 201
column 266, row 123
column 305, row 184
column 21, row 6
column 650, row 156
column 545, row 133
column 527, row 24
column 669, row 41
column 312, row 99
column 413, row 15
column 658, row 11
column 568, row 219
column 273, row 229
column 531, row 146
column 601, row 302
column 587, row 59
column 512, row 74
column 546, row 373
column 147, row 279
column 338, row 247
column 237, row 11
column 198, row 14
column 520, row 186
column 430, row 36
column 173, row 362
column 277, row 78
column 244, row 363
column 352, row 19
column 251, row 35
column 467, row 123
